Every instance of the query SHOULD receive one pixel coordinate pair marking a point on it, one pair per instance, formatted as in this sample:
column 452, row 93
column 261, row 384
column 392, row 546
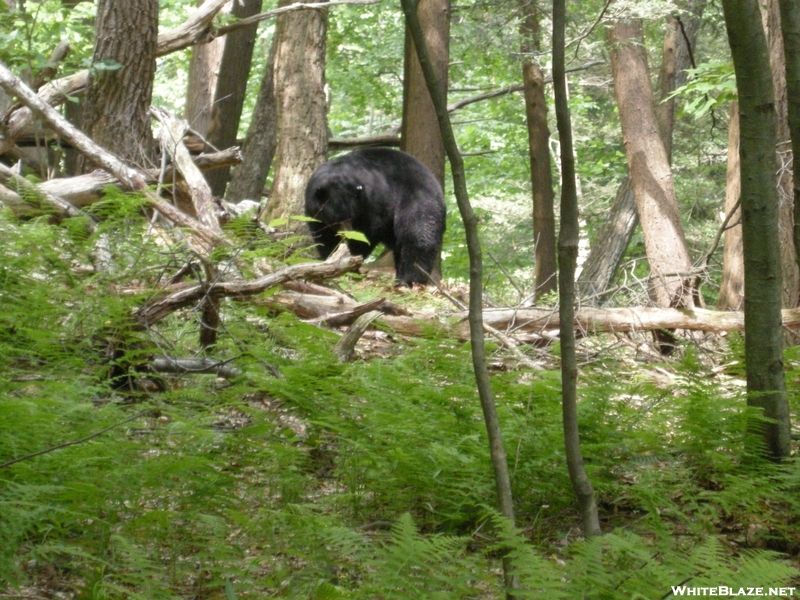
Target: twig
column 507, row 274
column 284, row 9
column 75, row 442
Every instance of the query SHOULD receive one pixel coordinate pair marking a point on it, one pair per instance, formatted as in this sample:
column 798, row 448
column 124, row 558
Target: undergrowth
column 309, row 478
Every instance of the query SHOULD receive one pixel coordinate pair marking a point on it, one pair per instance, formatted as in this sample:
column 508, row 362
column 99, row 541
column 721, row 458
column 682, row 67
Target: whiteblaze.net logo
column 726, row 591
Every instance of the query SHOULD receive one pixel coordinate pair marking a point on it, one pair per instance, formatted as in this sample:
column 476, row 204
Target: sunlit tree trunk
column 419, row 133
column 651, row 176
column 731, row 289
column 116, row 113
column 234, row 72
column 258, row 150
column 203, row 71
column 617, row 230
column 302, row 132
column 544, row 221
column 762, row 252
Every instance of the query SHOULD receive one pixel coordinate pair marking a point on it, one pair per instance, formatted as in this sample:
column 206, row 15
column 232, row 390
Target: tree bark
column 544, row 220
column 258, row 150
column 679, row 38
column 203, row 71
column 229, row 95
column 612, row 241
column 651, row 176
column 731, row 288
column 770, row 13
column 302, row 132
column 790, row 28
column 568, row 238
column 116, row 114
column 609, row 248
column 419, row 134
column 762, row 251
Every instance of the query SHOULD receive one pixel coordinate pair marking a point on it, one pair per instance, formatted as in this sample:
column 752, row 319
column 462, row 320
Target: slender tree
column 568, row 238
column 496, row 448
column 762, row 265
column 544, row 220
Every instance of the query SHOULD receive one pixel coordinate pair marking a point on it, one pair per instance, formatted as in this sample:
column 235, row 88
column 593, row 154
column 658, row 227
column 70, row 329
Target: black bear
column 387, row 195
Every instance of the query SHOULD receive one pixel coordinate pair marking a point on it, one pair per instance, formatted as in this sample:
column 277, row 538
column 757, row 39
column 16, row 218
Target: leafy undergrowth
column 308, row 478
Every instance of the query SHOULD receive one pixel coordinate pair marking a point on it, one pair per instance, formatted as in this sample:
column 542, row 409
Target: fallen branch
column 189, row 366
column 284, row 9
column 55, row 203
column 157, row 309
column 130, row 178
column 345, row 347
column 75, row 442
column 172, row 132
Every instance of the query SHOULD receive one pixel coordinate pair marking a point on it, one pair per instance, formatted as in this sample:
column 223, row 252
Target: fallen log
column 531, row 324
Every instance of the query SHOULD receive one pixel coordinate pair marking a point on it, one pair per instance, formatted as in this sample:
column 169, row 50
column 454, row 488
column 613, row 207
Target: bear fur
column 390, row 197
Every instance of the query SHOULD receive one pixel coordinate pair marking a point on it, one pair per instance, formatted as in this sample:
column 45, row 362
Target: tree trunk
column 419, row 132
column 609, row 248
column 762, row 252
column 675, row 59
column 731, row 289
column 568, row 238
column 116, row 114
column 544, row 221
column 234, row 72
column 301, row 109
column 258, row 150
column 617, row 230
column 651, row 176
column 790, row 28
column 770, row 13
column 203, row 72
